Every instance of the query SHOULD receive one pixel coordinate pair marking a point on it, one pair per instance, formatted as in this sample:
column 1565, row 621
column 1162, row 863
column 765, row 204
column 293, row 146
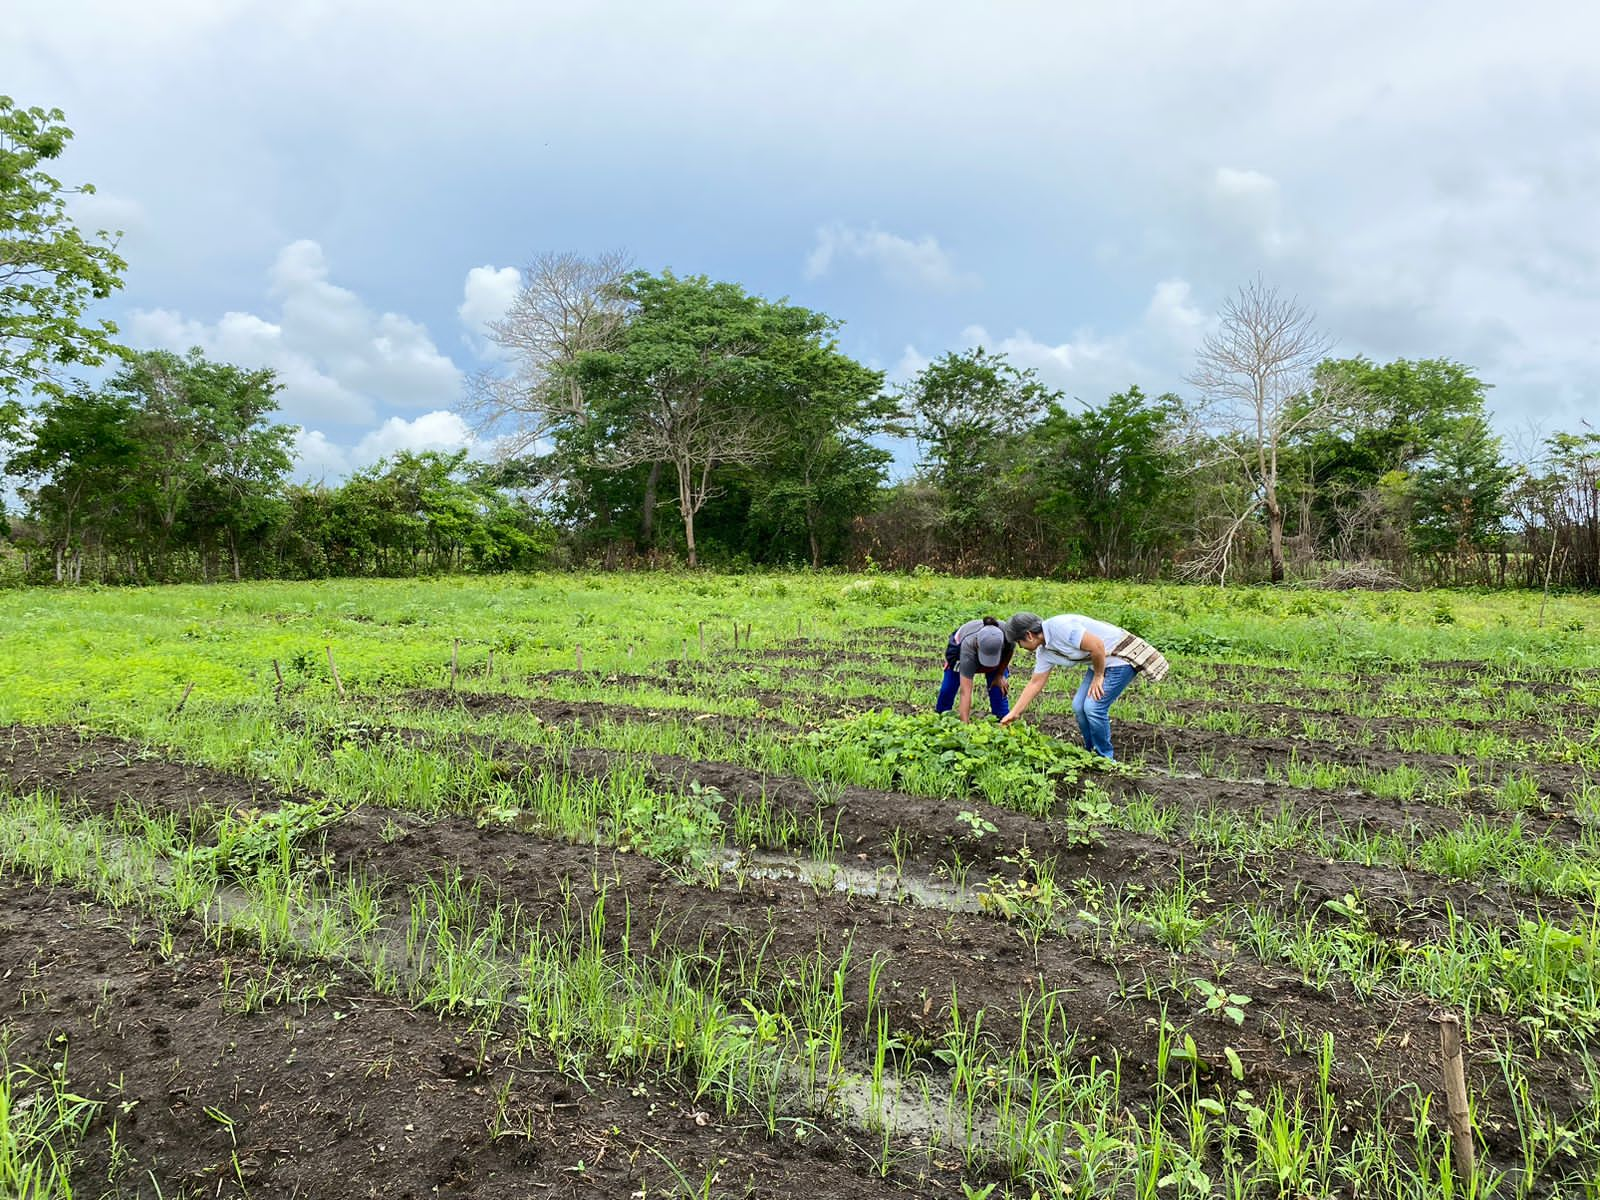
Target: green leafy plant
column 1020, row 767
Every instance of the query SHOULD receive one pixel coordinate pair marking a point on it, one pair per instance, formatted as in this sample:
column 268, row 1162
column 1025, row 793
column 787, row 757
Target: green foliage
column 704, row 375
column 1111, row 476
column 1459, row 492
column 252, row 842
column 49, row 271
column 41, row 1123
column 1019, row 766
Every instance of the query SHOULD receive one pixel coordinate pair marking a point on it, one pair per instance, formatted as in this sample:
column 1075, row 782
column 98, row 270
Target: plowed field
column 637, row 927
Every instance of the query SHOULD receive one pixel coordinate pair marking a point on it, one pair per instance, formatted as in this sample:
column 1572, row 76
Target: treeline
column 173, row 470
column 652, row 418
column 680, row 419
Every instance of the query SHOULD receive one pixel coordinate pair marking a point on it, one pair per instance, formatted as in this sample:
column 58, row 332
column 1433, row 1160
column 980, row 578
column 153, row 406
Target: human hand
column 1097, row 688
column 1007, row 719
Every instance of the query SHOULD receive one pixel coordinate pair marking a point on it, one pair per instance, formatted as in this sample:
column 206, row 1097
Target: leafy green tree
column 207, row 453
column 1110, row 476
column 1391, row 416
column 969, row 411
column 75, row 463
column 1459, row 494
column 49, row 271
column 693, row 381
column 824, row 470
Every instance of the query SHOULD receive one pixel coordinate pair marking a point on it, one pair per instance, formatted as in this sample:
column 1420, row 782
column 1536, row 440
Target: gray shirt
column 967, row 664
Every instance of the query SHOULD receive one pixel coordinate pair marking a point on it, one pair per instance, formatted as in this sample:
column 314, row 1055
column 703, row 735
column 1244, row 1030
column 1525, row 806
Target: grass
column 1201, row 1084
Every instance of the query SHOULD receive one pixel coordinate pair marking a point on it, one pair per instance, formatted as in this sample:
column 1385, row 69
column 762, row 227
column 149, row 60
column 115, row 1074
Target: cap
column 1022, row 624
column 991, row 643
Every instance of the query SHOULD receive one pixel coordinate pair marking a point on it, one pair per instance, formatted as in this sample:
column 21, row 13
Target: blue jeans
column 1094, row 716
column 998, row 704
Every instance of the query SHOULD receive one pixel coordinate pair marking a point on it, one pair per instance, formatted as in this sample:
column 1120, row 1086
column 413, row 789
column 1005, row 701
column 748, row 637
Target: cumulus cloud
column 317, row 457
column 1172, row 312
column 486, row 295
column 1250, row 204
column 1153, row 350
column 337, row 360
column 919, row 263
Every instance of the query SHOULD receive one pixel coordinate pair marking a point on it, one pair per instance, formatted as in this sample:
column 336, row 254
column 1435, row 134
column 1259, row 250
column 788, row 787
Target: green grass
column 1040, row 1109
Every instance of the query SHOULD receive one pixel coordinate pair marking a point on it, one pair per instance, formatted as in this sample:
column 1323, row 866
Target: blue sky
column 343, row 191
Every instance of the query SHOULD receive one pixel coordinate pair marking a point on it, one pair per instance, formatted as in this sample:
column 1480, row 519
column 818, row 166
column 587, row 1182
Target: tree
column 567, row 305
column 1393, row 415
column 207, row 455
column 49, row 271
column 1459, row 493
column 698, row 374
column 969, row 411
column 1110, row 476
column 1257, row 373
column 823, row 471
column 78, row 455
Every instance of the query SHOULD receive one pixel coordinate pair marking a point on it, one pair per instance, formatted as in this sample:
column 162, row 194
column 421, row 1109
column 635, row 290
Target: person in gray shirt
column 981, row 645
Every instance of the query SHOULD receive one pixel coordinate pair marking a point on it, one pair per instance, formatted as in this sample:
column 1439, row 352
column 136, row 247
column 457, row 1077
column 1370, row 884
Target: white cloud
column 444, row 431
column 1152, row 351
column 1250, row 203
column 912, row 361
column 486, row 295
column 318, row 457
column 920, row 263
column 1172, row 313
column 337, row 360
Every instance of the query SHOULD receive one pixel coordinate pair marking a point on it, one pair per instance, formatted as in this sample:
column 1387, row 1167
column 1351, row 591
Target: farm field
column 672, row 885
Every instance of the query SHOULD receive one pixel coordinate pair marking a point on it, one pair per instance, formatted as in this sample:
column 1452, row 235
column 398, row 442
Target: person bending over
column 1114, row 656
column 980, row 645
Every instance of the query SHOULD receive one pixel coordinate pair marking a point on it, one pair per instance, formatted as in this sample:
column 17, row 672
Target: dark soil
column 344, row 1095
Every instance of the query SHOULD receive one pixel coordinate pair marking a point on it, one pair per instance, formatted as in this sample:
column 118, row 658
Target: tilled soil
column 924, row 953
column 346, row 1094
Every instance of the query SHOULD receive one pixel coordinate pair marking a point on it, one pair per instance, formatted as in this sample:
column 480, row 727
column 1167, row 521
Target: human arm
column 1035, row 686
column 964, row 703
column 1097, row 659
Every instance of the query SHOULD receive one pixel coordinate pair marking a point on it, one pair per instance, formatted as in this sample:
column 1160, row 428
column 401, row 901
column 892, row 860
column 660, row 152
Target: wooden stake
column 455, row 653
column 736, row 635
column 747, row 635
column 185, row 698
column 278, row 671
column 1455, row 1092
column 702, row 639
column 488, row 668
column 686, row 652
column 1549, row 566
column 630, row 649
column 799, row 628
column 578, row 651
column 333, row 667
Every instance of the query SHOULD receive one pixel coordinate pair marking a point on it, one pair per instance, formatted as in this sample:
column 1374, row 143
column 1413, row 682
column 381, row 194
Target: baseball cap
column 991, row 643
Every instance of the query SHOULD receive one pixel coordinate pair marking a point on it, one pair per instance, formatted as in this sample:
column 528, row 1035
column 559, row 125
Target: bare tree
column 1258, row 376
column 567, row 304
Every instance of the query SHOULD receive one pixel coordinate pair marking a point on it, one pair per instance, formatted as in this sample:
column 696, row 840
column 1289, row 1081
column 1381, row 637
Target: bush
column 934, row 753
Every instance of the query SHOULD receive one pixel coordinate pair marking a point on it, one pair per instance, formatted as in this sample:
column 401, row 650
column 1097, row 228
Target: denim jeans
column 1094, row 716
column 998, row 704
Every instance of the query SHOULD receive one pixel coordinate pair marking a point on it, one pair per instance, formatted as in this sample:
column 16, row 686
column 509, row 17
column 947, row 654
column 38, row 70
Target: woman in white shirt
column 1071, row 640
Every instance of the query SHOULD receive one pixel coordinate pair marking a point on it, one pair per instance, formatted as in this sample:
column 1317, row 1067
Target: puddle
column 877, row 883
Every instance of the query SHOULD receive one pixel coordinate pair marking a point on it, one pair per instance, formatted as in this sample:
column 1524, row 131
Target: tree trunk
column 688, row 535
column 1275, row 536
column 647, row 514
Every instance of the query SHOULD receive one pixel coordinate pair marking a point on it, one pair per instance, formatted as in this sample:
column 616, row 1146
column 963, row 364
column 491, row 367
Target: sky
column 345, row 191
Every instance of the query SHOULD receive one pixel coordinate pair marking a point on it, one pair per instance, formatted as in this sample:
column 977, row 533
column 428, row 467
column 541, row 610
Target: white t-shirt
column 1063, row 637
